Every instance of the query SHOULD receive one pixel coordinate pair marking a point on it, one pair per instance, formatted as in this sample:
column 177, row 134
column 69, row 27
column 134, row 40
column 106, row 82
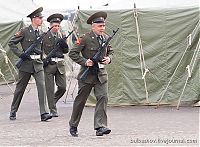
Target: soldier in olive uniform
column 31, row 65
column 81, row 54
column 55, row 69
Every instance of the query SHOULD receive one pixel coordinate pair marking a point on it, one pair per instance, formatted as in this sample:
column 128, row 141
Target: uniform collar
column 54, row 34
column 34, row 28
column 94, row 34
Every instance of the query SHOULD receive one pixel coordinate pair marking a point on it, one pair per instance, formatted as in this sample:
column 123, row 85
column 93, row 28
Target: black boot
column 45, row 116
column 73, row 131
column 102, row 130
column 12, row 115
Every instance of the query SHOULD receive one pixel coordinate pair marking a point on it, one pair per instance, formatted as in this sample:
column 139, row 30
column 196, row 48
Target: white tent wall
column 12, row 19
column 15, row 10
column 149, row 4
column 115, row 4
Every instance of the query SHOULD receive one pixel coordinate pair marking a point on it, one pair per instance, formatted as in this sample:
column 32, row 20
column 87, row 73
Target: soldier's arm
column 18, row 37
column 75, row 53
column 65, row 50
column 63, row 46
column 109, row 50
column 62, row 43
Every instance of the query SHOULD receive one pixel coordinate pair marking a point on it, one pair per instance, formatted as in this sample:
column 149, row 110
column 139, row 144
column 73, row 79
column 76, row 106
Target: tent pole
column 69, row 87
column 141, row 52
column 77, row 38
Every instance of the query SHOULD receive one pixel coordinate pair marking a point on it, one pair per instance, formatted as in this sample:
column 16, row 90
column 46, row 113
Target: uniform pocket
column 29, row 39
column 93, row 49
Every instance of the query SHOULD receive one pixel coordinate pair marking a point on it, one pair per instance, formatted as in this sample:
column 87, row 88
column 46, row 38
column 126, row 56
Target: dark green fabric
column 164, row 40
column 7, row 30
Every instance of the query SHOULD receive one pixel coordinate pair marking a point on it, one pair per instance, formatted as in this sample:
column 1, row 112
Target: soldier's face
column 37, row 21
column 98, row 28
column 56, row 27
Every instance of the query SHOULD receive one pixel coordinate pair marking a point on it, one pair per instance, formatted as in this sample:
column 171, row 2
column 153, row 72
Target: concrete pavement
column 131, row 125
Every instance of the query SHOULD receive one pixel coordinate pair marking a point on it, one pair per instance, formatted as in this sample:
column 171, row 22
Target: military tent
column 156, row 51
column 156, row 59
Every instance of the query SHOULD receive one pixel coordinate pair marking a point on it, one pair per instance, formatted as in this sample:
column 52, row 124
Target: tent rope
column 192, row 63
column 141, row 52
column 187, row 47
column 8, row 62
column 2, row 75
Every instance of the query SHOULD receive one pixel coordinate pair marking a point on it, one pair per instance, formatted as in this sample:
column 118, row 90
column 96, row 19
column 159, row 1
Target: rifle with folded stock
column 96, row 57
column 53, row 52
column 32, row 48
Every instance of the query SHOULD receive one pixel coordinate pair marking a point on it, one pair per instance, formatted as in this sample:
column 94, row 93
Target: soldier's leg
column 49, row 84
column 100, row 116
column 60, row 80
column 84, row 90
column 19, row 90
column 40, row 83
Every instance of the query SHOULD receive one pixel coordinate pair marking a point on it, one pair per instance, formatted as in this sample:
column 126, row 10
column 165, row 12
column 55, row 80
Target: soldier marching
column 47, row 73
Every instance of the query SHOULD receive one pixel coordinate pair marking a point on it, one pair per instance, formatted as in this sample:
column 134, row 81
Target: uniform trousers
column 52, row 77
column 100, row 92
column 21, row 85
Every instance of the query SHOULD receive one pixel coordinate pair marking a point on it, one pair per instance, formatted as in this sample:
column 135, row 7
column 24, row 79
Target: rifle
column 96, row 57
column 53, row 52
column 32, row 48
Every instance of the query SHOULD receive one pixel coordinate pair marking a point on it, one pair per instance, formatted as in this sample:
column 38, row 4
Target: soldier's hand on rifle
column 106, row 60
column 24, row 56
column 45, row 63
column 63, row 44
column 89, row 62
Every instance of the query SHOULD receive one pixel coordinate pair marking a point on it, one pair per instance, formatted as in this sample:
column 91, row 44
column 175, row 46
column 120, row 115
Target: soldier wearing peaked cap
column 81, row 54
column 55, row 69
column 55, row 18
column 98, row 17
column 36, row 13
column 31, row 66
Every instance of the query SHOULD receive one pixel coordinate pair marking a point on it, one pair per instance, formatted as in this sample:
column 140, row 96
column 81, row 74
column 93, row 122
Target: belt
column 34, row 57
column 57, row 59
column 101, row 65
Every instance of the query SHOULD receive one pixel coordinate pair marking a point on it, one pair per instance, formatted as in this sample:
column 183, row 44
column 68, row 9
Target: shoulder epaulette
column 86, row 34
column 19, row 33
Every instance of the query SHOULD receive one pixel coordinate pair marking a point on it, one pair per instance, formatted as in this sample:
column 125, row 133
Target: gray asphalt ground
column 131, row 125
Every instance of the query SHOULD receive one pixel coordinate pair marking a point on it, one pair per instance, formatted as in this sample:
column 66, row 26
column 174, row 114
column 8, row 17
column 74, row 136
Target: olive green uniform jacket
column 48, row 44
column 26, row 37
column 55, row 71
column 29, row 67
column 87, row 48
